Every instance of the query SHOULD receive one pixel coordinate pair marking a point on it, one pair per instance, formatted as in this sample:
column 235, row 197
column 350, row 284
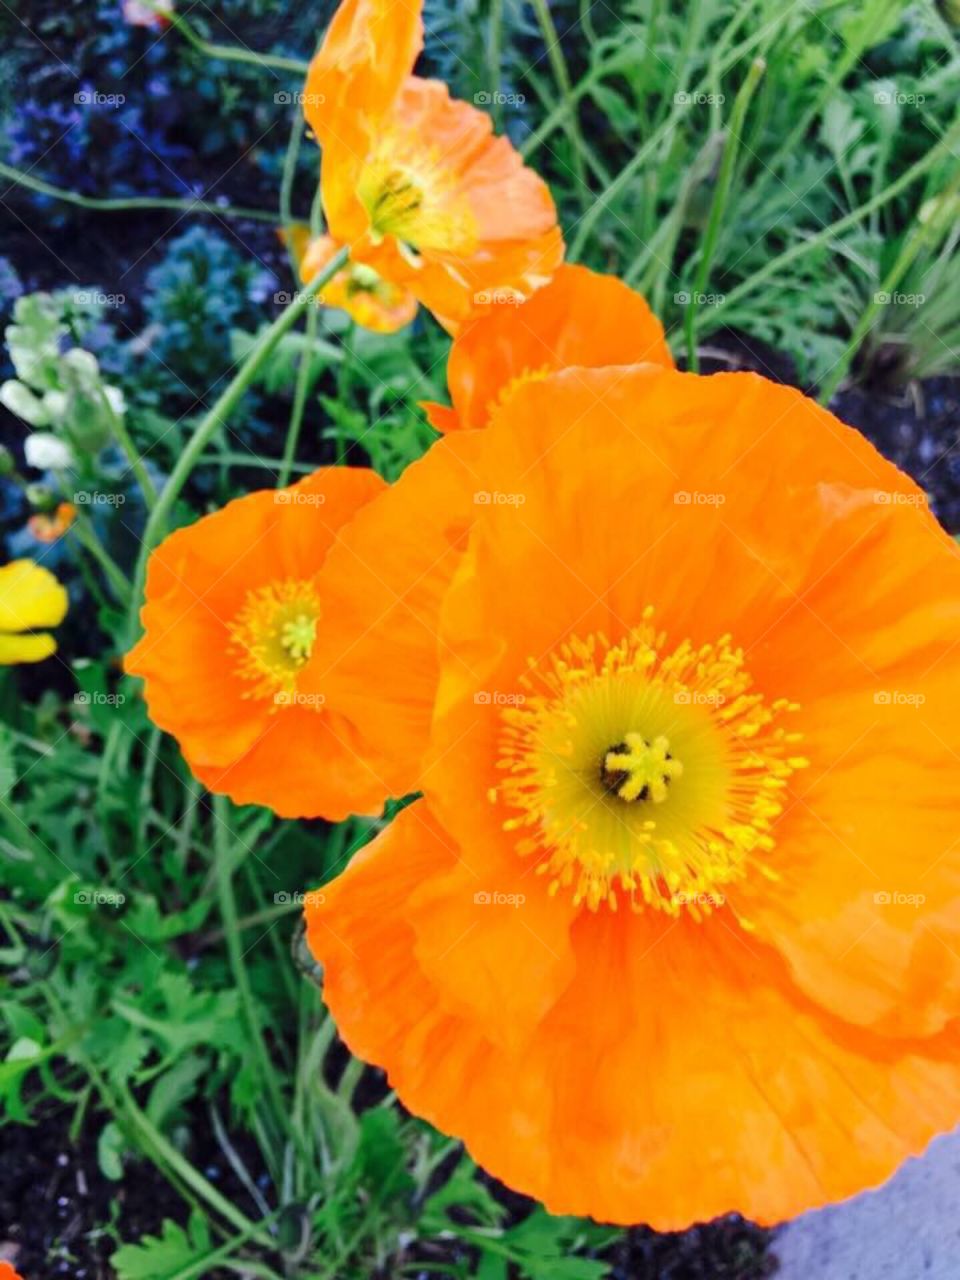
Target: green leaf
column 161, row 1257
column 174, row 1088
column 464, row 1192
column 111, row 1146
column 381, row 1156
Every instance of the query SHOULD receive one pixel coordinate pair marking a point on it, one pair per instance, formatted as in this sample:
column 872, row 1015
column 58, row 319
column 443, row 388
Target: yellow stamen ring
column 636, row 770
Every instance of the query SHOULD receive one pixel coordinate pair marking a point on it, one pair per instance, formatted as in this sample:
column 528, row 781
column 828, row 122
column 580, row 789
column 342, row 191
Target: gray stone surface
column 908, row 1229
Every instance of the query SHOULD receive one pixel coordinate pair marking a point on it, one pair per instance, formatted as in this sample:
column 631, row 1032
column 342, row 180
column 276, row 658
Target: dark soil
column 60, row 1217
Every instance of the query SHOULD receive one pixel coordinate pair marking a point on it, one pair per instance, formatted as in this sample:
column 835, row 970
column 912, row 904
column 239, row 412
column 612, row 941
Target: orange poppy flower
column 415, row 182
column 231, row 615
column 374, row 303
column 8, row 1273
column 48, row 527
column 674, row 929
column 579, row 318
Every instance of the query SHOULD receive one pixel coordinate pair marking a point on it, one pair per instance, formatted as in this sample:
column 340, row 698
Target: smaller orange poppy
column 8, row 1273
column 373, row 302
column 231, row 616
column 581, row 318
column 414, row 181
column 48, row 527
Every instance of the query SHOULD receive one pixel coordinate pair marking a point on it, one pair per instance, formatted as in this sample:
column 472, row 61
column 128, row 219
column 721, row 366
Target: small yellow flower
column 30, row 597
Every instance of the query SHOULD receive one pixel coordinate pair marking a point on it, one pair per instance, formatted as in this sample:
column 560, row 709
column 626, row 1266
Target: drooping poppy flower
column 49, row 526
column 414, row 181
column 373, row 302
column 674, row 928
column 154, row 13
column 31, row 599
column 579, row 318
column 231, row 615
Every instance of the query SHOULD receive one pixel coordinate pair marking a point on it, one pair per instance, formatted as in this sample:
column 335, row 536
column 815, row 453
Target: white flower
column 47, row 452
column 115, row 400
column 20, row 400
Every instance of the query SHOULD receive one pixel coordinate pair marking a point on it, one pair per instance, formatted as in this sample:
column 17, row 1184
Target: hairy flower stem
column 219, row 416
column 719, row 204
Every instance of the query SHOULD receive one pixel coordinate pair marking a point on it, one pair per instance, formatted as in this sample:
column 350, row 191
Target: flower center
column 639, row 770
column 273, row 636
column 410, row 192
column 636, row 769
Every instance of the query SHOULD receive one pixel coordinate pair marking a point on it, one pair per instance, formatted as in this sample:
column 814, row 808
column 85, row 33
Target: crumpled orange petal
column 579, row 318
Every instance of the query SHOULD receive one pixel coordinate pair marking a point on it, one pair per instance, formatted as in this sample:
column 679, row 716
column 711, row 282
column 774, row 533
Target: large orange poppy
column 580, row 318
column 674, row 929
column 414, row 181
column 231, row 615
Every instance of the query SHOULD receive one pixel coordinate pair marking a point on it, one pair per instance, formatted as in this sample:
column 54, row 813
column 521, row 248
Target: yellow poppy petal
column 35, row 648
column 30, row 596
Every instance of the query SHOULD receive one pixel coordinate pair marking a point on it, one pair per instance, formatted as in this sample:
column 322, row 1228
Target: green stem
column 118, row 203
column 921, row 235
column 229, row 52
column 494, row 34
column 719, row 204
column 114, row 574
column 299, row 399
column 224, row 856
column 561, row 74
column 125, row 441
column 220, row 414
